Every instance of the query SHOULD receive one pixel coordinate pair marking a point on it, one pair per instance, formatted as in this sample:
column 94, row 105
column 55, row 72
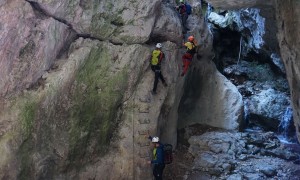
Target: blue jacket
column 159, row 154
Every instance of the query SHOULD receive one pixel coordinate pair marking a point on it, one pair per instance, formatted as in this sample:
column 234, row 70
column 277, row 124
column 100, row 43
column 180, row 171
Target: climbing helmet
column 155, row 139
column 158, row 45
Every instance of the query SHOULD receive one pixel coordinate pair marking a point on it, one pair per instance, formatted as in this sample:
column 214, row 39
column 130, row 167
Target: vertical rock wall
column 75, row 92
column 288, row 21
column 75, row 97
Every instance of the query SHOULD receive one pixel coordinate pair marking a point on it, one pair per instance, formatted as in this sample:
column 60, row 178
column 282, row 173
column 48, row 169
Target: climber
column 156, row 58
column 183, row 14
column 191, row 46
column 158, row 158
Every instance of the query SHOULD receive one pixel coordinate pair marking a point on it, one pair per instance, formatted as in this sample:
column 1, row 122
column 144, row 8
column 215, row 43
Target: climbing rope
column 133, row 147
column 240, row 51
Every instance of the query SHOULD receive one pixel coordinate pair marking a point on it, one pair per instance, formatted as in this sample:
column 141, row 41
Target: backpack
column 188, row 8
column 156, row 56
column 168, row 153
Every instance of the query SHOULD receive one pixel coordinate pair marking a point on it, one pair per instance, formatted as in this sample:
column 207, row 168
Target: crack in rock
column 37, row 7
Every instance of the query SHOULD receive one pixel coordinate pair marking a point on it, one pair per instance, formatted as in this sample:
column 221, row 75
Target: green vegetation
column 28, row 115
column 101, row 26
column 98, row 93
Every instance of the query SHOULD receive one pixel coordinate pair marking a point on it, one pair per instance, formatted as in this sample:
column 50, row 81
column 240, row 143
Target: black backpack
column 168, row 153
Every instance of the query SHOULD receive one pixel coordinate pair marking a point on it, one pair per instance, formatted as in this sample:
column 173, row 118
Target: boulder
column 269, row 107
column 210, row 99
column 167, row 26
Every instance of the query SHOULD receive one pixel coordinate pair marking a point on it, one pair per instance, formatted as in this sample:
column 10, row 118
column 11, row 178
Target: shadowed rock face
column 206, row 99
column 288, row 21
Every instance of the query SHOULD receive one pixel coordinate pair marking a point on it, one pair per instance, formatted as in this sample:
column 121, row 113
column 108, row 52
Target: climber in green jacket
column 156, row 59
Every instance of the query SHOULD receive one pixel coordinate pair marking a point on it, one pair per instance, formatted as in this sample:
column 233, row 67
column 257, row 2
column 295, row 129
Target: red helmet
column 191, row 38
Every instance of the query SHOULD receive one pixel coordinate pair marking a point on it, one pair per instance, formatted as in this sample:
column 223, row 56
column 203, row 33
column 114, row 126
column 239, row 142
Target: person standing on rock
column 183, row 14
column 156, row 59
column 188, row 56
column 158, row 158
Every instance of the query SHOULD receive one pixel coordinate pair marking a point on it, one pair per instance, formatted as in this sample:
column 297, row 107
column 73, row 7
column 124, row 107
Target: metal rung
column 144, row 121
column 144, row 144
column 143, row 132
column 145, row 99
column 144, row 108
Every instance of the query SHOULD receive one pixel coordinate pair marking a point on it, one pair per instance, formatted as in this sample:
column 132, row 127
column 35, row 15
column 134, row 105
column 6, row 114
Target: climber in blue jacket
column 158, row 158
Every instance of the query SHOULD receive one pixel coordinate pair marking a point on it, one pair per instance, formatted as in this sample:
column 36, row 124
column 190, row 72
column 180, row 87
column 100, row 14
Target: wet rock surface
column 265, row 93
column 233, row 155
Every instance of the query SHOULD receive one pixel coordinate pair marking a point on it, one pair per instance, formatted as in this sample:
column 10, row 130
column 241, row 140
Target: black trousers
column 158, row 171
column 158, row 75
column 184, row 18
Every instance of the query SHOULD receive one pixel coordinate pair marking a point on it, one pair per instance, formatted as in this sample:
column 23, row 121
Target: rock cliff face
column 236, row 4
column 75, row 99
column 287, row 14
column 288, row 17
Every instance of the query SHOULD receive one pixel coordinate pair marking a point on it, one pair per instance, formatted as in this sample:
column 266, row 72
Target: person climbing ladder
column 183, row 14
column 187, row 58
column 157, row 57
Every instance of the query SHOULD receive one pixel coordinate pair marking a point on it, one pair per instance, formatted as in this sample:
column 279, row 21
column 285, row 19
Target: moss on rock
column 28, row 115
column 98, row 92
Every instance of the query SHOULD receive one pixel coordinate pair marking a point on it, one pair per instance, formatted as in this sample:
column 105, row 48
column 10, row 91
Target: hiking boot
column 153, row 92
column 165, row 84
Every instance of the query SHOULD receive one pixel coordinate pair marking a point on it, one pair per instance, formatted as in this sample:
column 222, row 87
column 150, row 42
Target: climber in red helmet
column 191, row 46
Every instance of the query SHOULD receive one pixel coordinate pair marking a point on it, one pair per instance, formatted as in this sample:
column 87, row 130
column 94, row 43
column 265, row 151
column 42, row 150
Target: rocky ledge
column 227, row 155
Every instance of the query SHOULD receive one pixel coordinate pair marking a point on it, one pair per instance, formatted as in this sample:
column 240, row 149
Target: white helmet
column 158, row 45
column 155, row 139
